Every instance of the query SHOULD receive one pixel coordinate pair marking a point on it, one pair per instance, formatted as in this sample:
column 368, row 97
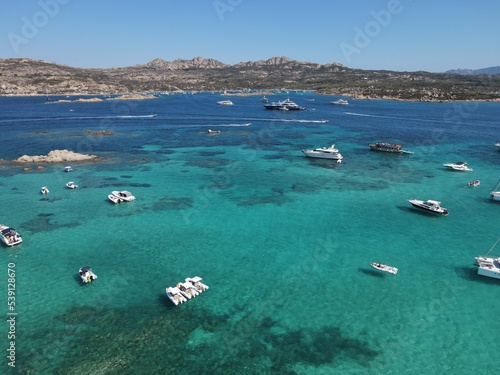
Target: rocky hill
column 491, row 70
column 20, row 76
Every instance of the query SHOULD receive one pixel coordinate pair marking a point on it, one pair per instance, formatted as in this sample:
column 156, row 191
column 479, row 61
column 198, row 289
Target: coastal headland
column 25, row 77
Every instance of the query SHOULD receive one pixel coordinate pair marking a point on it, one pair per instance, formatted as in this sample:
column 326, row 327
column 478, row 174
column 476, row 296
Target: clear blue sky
column 403, row 35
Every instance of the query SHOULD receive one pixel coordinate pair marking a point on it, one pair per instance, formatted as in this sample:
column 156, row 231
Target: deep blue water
column 283, row 241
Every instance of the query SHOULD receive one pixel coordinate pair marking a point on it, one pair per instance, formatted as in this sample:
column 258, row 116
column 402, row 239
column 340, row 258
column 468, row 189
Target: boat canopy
column 9, row 231
column 436, row 203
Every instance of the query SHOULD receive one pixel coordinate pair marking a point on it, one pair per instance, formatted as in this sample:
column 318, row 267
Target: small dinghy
column 385, row 268
column 473, row 183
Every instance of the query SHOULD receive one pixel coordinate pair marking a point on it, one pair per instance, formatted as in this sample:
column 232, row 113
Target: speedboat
column 196, row 282
column 324, row 153
column 264, row 99
column 187, row 290
column 123, row 195
column 114, row 198
column 474, row 183
column 225, row 102
column 71, row 185
column 87, row 275
column 458, row 166
column 340, row 102
column 68, row 169
column 9, row 236
column 285, row 105
column 175, row 295
column 210, row 131
column 429, row 205
column 384, row 267
column 44, row 190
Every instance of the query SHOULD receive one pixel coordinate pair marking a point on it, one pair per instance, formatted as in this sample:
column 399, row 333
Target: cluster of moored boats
column 487, row 266
column 183, row 291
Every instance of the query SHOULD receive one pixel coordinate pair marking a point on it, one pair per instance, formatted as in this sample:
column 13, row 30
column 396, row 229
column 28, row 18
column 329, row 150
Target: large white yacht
column 9, row 236
column 429, row 205
column 458, row 166
column 324, row 153
column 286, row 105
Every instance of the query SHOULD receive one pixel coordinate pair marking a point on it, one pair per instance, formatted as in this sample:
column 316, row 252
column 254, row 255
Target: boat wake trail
column 69, row 118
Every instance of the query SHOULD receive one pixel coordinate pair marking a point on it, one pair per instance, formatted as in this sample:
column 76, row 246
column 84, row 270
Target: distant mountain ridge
column 491, row 70
column 24, row 76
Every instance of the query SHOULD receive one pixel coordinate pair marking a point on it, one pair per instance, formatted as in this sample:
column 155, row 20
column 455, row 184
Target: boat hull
column 495, row 195
column 386, row 147
column 320, row 155
column 440, row 211
column 492, row 272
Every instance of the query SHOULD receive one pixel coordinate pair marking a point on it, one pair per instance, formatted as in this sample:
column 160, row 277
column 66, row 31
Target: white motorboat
column 187, row 290
column 196, row 282
column 458, row 166
column 68, row 169
column 9, row 236
column 87, row 275
column 175, row 295
column 497, row 144
column 264, row 99
column 225, row 102
column 71, row 185
column 384, row 267
column 210, row 131
column 124, row 195
column 114, row 198
column 429, row 205
column 340, row 102
column 324, row 153
column 44, row 190
column 495, row 193
column 474, row 183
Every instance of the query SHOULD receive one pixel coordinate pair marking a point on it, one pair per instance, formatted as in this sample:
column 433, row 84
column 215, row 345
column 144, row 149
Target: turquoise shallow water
column 284, row 242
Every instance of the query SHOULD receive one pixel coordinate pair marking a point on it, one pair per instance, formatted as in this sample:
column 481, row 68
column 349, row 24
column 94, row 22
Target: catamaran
column 489, row 267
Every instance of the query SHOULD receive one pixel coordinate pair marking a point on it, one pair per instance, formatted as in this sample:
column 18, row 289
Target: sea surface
column 283, row 241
